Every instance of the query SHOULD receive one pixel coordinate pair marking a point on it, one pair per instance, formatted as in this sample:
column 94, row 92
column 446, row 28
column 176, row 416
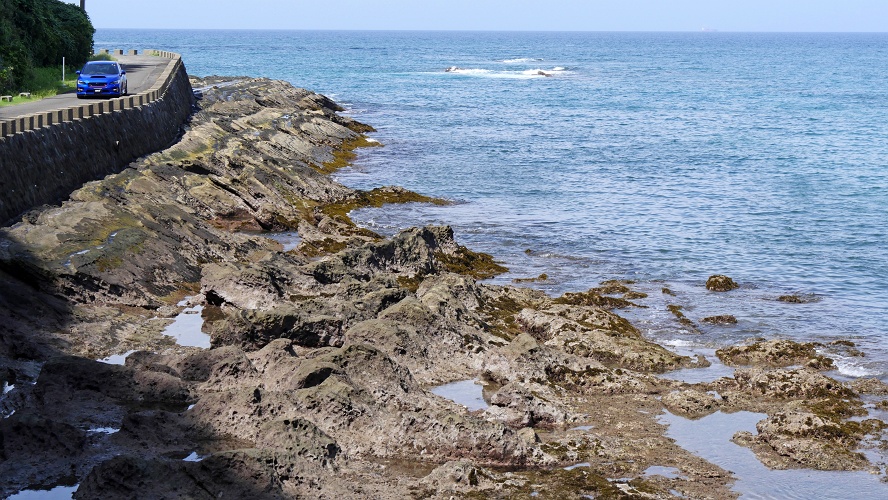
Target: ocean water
column 657, row 157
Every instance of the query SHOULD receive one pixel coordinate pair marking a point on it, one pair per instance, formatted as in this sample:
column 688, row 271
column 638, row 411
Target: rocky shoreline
column 317, row 383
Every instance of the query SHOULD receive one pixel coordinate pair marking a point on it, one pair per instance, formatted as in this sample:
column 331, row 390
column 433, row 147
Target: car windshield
column 100, row 69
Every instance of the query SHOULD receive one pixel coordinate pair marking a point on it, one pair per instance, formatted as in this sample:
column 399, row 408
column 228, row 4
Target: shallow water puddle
column 659, row 470
column 116, row 359
column 5, row 413
column 103, row 430
column 193, row 457
column 711, row 373
column 700, row 375
column 289, row 240
column 710, row 438
column 186, row 328
column 57, row 493
column 577, row 466
column 109, row 241
column 467, row 393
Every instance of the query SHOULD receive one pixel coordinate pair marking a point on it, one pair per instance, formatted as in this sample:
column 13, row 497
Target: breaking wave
column 852, row 367
column 516, row 74
column 520, row 60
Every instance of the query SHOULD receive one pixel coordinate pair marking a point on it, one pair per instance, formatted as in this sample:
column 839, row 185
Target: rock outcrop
column 321, row 360
column 721, row 283
column 776, row 353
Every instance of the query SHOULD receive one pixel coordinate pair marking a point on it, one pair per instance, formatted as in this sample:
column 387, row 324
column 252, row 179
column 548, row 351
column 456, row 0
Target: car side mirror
column 122, row 72
column 77, row 72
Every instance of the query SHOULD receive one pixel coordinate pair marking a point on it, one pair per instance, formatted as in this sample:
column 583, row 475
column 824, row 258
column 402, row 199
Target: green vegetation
column 44, row 82
column 38, row 34
column 101, row 57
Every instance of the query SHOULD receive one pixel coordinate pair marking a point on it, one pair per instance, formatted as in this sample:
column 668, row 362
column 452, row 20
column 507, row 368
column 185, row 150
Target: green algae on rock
column 317, row 382
column 722, row 319
column 720, row 283
column 777, row 353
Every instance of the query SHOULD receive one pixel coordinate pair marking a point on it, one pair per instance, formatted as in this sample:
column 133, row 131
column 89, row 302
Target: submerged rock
column 723, row 319
column 720, row 283
column 790, row 383
column 776, row 353
column 798, row 299
column 794, row 439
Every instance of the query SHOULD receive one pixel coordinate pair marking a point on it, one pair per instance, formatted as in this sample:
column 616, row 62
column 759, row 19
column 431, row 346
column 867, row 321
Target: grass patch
column 44, row 82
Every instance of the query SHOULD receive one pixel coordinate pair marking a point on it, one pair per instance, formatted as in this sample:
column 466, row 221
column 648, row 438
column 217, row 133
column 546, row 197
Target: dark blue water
column 658, row 157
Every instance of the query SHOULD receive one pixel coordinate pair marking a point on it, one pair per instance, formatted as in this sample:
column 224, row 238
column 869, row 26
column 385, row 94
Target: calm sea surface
column 657, row 157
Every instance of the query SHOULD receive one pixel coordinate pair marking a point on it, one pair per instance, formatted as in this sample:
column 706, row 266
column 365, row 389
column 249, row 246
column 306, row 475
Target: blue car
column 101, row 78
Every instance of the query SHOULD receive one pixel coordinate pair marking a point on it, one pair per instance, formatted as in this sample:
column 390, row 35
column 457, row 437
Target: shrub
column 35, row 33
column 101, row 57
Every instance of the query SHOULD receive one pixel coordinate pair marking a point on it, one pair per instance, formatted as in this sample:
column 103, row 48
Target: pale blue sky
column 546, row 15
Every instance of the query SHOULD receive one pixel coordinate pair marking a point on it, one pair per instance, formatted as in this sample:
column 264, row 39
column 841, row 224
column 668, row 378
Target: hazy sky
column 547, row 15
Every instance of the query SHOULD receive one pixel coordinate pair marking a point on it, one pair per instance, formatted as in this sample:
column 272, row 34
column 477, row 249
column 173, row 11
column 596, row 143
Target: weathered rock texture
column 721, row 283
column 778, row 353
column 317, row 382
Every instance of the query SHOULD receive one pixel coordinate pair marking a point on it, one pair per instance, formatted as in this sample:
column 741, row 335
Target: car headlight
column 81, row 82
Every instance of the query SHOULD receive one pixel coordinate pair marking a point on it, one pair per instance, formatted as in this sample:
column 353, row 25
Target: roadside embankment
column 44, row 157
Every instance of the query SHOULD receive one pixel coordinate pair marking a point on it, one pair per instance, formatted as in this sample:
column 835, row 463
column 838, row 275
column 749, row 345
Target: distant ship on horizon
column 708, row 30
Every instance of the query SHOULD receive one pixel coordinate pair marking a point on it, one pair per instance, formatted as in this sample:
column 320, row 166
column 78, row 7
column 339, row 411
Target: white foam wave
column 679, row 343
column 852, row 368
column 518, row 75
column 519, row 60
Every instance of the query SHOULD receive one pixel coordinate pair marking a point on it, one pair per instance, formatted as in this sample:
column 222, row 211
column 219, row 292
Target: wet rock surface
column 777, row 353
column 692, row 403
column 721, row 283
column 798, row 438
column 721, row 319
column 317, row 383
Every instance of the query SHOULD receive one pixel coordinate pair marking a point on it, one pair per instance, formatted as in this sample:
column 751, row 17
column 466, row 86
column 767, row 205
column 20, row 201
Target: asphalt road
column 141, row 73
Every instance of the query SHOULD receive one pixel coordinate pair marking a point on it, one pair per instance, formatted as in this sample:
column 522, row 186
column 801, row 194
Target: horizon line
column 455, row 30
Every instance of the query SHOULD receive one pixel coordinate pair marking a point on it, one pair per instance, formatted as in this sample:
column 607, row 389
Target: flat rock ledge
column 317, row 382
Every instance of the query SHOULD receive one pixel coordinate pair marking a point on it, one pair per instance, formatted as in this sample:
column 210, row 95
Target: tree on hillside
column 38, row 33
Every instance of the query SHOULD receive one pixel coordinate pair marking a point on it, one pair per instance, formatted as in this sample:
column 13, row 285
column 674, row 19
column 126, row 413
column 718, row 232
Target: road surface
column 141, row 74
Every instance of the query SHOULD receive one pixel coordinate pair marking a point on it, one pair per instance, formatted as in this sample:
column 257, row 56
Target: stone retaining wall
column 46, row 156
